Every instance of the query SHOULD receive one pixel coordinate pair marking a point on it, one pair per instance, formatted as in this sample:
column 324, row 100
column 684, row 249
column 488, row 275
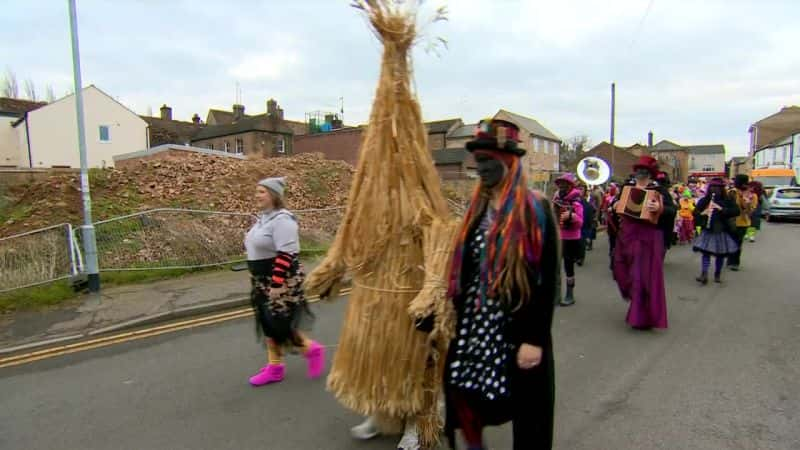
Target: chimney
column 280, row 113
column 238, row 112
column 166, row 112
column 196, row 119
column 650, row 138
column 272, row 108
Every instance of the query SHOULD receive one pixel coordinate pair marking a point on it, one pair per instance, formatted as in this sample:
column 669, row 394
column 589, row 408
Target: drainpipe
column 28, row 140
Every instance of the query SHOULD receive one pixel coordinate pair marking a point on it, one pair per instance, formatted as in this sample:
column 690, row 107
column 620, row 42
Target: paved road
column 726, row 375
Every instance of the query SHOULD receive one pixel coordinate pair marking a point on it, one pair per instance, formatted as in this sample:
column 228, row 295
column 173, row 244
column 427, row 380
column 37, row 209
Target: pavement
column 725, row 375
column 123, row 307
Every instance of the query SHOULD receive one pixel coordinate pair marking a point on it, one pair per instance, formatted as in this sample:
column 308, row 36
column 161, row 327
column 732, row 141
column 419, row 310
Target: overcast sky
column 693, row 71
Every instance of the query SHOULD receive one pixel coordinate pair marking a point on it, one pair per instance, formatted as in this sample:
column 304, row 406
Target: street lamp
column 88, row 235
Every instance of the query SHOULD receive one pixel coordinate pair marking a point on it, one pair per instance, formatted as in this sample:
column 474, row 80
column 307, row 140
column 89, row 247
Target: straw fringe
column 384, row 366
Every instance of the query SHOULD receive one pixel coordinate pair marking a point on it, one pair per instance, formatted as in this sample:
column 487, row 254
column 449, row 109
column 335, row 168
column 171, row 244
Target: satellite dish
column 593, row 171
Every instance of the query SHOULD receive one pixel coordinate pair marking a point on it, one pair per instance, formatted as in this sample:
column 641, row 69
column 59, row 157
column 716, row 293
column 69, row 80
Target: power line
column 641, row 23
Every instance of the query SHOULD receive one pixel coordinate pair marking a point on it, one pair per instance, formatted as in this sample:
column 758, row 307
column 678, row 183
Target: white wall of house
column 9, row 155
column 778, row 155
column 111, row 129
column 714, row 162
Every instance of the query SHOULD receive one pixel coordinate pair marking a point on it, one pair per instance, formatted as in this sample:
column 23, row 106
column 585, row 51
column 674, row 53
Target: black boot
column 569, row 298
column 703, row 278
column 717, row 277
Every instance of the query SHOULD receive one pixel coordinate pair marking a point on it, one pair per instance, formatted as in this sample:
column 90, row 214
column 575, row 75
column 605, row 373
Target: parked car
column 784, row 203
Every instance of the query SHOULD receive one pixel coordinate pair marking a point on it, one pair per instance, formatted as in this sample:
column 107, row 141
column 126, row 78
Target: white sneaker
column 410, row 440
column 366, row 430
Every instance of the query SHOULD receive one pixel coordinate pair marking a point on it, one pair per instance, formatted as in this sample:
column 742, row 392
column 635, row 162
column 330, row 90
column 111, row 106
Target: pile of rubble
column 194, row 181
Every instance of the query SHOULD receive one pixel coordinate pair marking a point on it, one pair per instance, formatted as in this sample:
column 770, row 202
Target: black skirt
column 279, row 318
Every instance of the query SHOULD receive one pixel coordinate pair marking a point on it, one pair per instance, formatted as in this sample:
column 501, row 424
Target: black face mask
column 491, row 171
column 564, row 189
column 642, row 174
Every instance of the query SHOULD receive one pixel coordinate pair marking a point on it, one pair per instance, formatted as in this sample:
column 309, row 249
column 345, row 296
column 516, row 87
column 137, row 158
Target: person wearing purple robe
column 639, row 257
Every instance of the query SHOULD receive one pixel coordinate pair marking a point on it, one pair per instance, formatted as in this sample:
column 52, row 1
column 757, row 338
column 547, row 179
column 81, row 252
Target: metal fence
column 38, row 257
column 150, row 240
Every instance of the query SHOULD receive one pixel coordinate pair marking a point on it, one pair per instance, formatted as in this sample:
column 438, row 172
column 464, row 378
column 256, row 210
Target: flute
column 711, row 214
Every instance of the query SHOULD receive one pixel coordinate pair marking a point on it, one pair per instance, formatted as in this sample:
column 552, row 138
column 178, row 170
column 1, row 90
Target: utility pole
column 613, row 114
column 89, row 242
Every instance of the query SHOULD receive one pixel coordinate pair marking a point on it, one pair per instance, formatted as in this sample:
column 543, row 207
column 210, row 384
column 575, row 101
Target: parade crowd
column 503, row 284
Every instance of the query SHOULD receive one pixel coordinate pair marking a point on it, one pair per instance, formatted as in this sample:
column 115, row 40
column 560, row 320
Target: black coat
column 721, row 220
column 532, row 400
column 666, row 222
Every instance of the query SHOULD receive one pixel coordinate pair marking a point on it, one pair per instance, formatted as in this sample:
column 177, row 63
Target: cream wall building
column 9, row 155
column 50, row 133
column 542, row 145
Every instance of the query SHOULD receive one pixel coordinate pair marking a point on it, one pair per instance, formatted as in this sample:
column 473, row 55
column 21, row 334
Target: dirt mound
column 194, row 181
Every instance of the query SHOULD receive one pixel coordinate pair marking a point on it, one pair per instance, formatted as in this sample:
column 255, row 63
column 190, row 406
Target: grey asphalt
column 725, row 375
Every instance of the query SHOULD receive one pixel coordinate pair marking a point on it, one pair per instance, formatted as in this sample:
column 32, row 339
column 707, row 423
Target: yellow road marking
column 120, row 338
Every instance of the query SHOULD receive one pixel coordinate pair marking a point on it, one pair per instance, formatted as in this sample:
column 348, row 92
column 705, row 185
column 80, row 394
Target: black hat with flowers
column 496, row 135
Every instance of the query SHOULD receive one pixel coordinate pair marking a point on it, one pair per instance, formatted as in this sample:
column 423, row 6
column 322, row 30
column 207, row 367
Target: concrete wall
column 19, row 177
column 54, row 136
column 9, row 151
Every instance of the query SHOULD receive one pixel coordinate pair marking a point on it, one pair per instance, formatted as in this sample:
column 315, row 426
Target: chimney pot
column 166, row 112
column 238, row 112
column 650, row 139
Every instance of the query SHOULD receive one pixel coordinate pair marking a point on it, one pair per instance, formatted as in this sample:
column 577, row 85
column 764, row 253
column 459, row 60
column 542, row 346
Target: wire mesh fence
column 184, row 239
column 37, row 257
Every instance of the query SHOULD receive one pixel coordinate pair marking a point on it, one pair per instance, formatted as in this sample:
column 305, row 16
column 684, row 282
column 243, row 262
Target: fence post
column 73, row 267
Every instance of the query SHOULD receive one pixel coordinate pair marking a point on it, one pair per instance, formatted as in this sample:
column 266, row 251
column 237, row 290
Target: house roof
column 449, row 156
column 87, row 88
column 220, row 117
column 17, row 107
column 706, row 149
column 784, row 110
column 463, row 131
column 665, row 145
column 441, row 126
column 164, row 131
column 250, row 123
column 531, row 125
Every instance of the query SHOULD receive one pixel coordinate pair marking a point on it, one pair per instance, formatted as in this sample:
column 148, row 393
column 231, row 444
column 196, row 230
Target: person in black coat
column 500, row 364
column 666, row 223
column 713, row 214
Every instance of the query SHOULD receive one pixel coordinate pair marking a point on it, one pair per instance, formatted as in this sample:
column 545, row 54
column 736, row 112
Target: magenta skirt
column 639, row 272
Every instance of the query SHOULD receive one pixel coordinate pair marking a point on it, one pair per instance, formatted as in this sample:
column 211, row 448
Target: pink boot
column 316, row 360
column 271, row 373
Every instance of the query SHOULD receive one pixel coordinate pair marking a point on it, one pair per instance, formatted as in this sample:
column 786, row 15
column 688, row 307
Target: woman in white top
column 273, row 248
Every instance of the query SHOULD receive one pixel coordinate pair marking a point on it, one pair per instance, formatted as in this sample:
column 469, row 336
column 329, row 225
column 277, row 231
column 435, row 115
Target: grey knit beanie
column 276, row 185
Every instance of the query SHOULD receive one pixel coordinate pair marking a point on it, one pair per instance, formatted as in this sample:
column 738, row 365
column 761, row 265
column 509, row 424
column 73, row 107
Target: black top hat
column 496, row 135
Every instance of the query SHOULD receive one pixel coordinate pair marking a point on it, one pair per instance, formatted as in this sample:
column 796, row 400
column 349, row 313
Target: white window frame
column 211, row 146
column 239, row 150
column 100, row 135
column 227, row 147
column 280, row 145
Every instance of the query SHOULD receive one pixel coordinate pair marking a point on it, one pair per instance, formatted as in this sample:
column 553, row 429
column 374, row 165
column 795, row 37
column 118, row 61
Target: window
column 211, row 146
column 533, row 145
column 239, row 146
column 227, row 147
column 105, row 133
column 708, row 168
column 280, row 145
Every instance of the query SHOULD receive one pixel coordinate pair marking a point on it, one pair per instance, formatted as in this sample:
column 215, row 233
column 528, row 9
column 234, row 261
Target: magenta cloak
column 639, row 272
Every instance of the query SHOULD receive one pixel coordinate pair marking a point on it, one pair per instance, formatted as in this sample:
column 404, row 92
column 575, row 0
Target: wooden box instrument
column 633, row 201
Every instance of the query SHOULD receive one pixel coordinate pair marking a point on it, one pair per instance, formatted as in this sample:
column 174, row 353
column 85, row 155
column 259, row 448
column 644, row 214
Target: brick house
column 622, row 159
column 342, row 144
column 165, row 130
column 438, row 132
column 543, row 146
column 667, row 152
column 265, row 135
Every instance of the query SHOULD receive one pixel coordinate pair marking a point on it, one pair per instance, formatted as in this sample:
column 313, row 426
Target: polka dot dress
column 482, row 353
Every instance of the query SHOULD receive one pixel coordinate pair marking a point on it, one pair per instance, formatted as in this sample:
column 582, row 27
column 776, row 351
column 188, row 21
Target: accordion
column 633, row 201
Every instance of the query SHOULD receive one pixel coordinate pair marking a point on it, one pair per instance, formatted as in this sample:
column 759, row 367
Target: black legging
column 571, row 250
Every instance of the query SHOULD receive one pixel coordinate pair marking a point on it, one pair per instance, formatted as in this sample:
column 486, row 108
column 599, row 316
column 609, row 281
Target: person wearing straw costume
column 273, row 246
column 393, row 241
column 504, row 281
